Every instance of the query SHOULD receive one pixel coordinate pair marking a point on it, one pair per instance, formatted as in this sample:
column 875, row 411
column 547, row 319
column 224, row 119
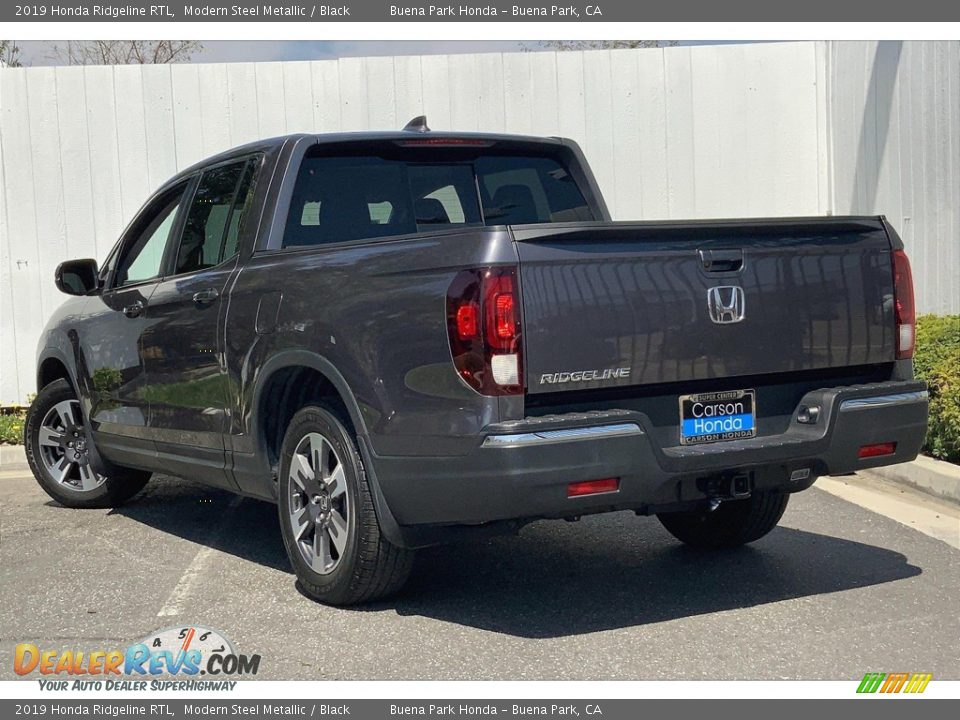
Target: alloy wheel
column 64, row 450
column 318, row 503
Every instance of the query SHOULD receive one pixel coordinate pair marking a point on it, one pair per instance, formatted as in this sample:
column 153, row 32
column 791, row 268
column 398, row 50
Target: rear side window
column 354, row 197
column 212, row 229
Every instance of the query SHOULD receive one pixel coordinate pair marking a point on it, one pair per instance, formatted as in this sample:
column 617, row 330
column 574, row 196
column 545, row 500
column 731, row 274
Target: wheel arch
column 52, row 366
column 293, row 379
column 287, row 382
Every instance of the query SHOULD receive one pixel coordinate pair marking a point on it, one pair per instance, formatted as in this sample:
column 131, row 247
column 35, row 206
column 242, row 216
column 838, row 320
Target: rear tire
column 327, row 516
column 60, row 449
column 734, row 523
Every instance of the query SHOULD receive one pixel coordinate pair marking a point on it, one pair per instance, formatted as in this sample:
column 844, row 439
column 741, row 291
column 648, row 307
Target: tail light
column 483, row 323
column 446, row 142
column 905, row 310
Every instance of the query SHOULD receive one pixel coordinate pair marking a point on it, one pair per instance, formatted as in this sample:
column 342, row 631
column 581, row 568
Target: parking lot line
column 197, row 567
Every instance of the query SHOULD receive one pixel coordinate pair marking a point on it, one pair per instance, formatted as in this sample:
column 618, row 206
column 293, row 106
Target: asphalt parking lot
column 836, row 591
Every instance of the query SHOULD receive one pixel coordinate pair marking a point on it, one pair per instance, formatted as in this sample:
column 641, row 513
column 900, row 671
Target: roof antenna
column 418, row 124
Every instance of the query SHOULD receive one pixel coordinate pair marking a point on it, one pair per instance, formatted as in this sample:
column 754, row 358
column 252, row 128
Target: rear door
column 611, row 304
column 182, row 347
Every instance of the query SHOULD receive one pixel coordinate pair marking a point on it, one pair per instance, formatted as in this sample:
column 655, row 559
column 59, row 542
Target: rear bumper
column 520, row 470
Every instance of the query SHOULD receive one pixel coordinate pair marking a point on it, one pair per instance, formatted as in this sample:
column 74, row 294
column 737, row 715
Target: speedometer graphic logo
column 203, row 640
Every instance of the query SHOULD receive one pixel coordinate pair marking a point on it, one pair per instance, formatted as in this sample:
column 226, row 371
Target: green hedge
column 11, row 426
column 937, row 360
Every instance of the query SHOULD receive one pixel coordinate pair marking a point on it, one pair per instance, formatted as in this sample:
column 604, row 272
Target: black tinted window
column 348, row 198
column 359, row 197
column 516, row 190
column 211, row 232
column 351, row 198
column 241, row 206
column 444, row 195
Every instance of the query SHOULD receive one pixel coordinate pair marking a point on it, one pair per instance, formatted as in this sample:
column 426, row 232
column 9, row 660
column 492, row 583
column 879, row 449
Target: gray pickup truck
column 413, row 337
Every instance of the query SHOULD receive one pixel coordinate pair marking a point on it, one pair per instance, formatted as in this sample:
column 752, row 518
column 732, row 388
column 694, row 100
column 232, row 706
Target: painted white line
column 932, row 516
column 196, row 569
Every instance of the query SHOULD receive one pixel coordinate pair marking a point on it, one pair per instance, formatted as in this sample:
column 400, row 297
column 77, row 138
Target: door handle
column 134, row 310
column 205, row 296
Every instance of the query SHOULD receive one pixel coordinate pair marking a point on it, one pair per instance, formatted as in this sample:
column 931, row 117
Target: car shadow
column 624, row 571
column 555, row 579
column 243, row 527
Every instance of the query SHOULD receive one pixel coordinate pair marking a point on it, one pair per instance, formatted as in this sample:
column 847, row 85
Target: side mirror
column 77, row 277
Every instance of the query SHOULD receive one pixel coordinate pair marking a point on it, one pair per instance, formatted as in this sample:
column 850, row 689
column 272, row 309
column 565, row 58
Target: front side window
column 142, row 256
column 211, row 231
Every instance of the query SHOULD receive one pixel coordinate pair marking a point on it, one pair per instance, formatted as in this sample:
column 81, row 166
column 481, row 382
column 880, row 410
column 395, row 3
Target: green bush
column 937, row 360
column 11, row 426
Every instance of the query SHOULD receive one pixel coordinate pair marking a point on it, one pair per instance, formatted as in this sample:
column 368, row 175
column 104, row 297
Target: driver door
column 190, row 397
column 110, row 334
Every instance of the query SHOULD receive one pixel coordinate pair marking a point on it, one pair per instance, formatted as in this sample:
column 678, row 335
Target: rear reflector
column 877, row 450
column 593, row 487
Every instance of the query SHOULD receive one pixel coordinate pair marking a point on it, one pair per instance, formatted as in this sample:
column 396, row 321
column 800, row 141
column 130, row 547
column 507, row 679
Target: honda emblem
column 726, row 304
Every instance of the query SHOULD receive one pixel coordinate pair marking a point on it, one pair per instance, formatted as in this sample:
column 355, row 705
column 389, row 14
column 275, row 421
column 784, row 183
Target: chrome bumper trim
column 544, row 437
column 883, row 401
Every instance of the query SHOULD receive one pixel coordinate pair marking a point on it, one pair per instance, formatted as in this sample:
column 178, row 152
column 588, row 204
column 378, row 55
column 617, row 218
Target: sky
column 37, row 52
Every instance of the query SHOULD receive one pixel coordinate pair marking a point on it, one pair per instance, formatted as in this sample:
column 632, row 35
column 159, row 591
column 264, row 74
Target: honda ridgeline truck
column 412, row 337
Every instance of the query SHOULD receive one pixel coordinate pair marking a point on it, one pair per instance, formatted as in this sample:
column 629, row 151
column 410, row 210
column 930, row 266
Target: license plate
column 717, row 416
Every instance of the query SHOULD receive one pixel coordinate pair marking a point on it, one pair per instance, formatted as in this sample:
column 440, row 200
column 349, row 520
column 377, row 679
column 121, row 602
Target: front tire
column 733, row 523
column 60, row 450
column 327, row 517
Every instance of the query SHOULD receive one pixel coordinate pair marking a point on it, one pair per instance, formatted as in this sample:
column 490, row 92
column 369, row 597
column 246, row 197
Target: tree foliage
column 125, row 52
column 10, row 54
column 604, row 44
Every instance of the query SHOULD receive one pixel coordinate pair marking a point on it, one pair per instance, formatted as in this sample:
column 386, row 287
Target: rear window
column 355, row 197
column 520, row 190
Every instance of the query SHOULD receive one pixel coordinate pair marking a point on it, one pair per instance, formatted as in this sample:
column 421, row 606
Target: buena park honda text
column 411, row 337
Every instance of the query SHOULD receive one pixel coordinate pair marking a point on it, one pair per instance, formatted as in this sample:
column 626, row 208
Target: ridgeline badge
column 584, row 376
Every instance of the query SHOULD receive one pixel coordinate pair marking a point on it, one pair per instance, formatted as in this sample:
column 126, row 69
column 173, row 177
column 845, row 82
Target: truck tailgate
column 617, row 304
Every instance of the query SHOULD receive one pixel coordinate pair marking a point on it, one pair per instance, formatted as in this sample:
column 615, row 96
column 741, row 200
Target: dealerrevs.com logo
column 186, row 652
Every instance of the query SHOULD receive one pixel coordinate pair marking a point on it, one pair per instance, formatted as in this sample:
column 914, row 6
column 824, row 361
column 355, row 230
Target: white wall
column 705, row 131
column 895, row 122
